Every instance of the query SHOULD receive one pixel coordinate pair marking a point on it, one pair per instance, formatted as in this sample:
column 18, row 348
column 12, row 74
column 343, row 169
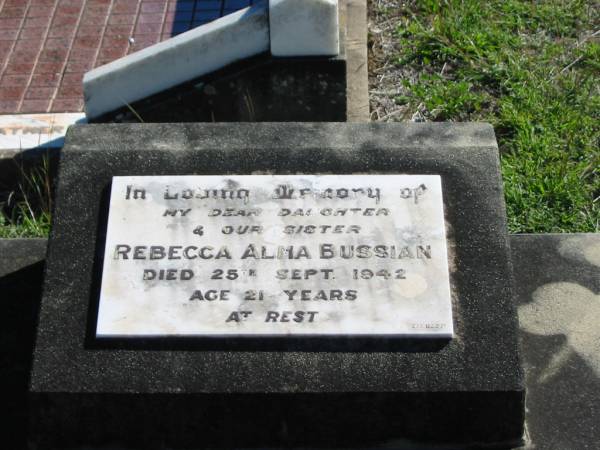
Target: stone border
column 20, row 132
column 286, row 28
column 202, row 50
column 357, row 65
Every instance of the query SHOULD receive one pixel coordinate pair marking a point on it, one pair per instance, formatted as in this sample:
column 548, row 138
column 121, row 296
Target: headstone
column 278, row 284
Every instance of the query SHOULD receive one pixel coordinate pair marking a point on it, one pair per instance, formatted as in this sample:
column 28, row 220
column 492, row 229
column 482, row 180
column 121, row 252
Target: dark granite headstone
column 265, row 392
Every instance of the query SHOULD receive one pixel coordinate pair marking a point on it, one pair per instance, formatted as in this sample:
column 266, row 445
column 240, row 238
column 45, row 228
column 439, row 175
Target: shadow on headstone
column 20, row 300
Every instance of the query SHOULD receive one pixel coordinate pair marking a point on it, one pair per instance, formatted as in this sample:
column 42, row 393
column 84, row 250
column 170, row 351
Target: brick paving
column 47, row 45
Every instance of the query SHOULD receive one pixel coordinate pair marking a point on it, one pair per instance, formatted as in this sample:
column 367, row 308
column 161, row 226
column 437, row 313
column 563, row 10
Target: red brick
column 121, row 19
column 12, row 92
column 87, row 42
column 18, row 67
column 150, row 18
column 97, row 2
column 115, row 41
column 122, row 30
column 148, row 28
column 15, row 80
column 9, row 106
column 23, row 44
column 102, row 62
column 73, row 78
column 90, row 30
column 35, row 106
column 70, row 90
column 125, row 6
column 12, row 22
column 8, row 34
column 112, row 53
column 32, row 33
column 96, row 11
column 94, row 16
column 57, row 43
column 14, row 11
column 153, row 7
column 82, row 54
column 66, row 105
column 72, row 2
column 68, row 9
column 61, row 20
column 48, row 67
column 45, row 79
column 4, row 54
column 25, row 54
column 40, row 11
column 62, row 31
column 41, row 22
column 13, row 3
column 54, row 54
column 143, row 41
column 79, row 66
column 39, row 93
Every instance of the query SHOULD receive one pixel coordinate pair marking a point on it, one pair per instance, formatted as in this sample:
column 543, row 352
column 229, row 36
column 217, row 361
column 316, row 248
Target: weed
column 25, row 210
column 532, row 69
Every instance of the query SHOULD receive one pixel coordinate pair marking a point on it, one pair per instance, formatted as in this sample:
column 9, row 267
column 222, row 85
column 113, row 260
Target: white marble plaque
column 264, row 255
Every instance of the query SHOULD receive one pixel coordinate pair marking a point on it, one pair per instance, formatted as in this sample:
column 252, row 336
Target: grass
column 532, row 69
column 25, row 210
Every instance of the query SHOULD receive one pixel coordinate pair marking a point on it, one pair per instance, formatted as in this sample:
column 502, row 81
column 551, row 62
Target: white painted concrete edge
column 197, row 52
column 287, row 28
column 26, row 131
column 304, row 28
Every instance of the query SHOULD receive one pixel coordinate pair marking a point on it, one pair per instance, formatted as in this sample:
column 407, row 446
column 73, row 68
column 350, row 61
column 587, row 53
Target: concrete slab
column 558, row 294
column 26, row 131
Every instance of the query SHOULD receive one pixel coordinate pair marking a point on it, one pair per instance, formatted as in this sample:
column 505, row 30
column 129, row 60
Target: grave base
column 466, row 391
